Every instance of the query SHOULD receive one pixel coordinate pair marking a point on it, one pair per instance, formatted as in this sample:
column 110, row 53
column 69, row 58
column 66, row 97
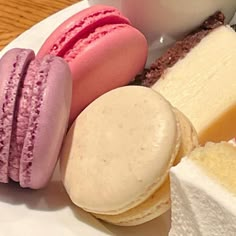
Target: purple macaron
column 35, row 99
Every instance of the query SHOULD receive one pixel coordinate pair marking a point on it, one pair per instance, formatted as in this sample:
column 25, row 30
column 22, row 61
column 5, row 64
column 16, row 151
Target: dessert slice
column 198, row 76
column 203, row 192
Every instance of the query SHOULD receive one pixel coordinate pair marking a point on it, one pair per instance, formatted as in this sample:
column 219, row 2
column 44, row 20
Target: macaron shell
column 189, row 139
column 122, row 144
column 108, row 62
column 51, row 123
column 79, row 26
column 20, row 125
column 156, row 205
column 101, row 63
column 160, row 201
column 12, row 67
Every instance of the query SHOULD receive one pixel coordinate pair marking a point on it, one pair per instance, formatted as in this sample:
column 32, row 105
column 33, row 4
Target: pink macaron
column 35, row 99
column 102, row 49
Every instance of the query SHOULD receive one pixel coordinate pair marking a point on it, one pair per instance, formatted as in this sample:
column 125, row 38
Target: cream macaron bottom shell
column 159, row 202
column 119, row 150
column 189, row 137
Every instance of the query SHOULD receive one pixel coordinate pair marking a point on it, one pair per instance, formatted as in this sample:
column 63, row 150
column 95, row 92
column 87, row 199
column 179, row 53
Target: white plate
column 50, row 212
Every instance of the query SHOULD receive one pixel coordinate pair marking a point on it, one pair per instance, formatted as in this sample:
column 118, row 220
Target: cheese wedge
column 203, row 85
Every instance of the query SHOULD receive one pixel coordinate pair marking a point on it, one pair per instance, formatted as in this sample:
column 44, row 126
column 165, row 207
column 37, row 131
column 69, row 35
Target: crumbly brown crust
column 178, row 51
column 234, row 27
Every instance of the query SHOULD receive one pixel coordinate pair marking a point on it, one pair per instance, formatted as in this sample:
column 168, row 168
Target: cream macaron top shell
column 119, row 150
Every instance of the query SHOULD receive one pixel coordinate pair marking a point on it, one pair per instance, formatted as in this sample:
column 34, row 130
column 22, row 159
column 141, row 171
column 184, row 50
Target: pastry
column 197, row 76
column 102, row 49
column 35, row 97
column 116, row 156
column 203, row 192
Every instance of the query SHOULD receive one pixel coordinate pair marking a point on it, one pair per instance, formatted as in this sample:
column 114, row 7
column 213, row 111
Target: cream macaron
column 159, row 202
column 118, row 153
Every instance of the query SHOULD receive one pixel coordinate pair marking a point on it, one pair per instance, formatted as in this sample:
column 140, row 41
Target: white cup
column 114, row 3
column 164, row 21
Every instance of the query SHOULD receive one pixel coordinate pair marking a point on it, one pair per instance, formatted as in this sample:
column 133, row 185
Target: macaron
column 118, row 152
column 35, row 98
column 103, row 52
column 159, row 202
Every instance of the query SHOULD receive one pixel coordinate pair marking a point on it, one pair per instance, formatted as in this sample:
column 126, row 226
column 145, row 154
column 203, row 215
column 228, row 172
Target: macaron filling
column 82, row 44
column 38, row 71
column 83, row 27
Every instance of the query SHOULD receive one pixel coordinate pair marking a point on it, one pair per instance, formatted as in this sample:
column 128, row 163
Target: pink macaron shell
column 12, row 67
column 109, row 60
column 48, row 122
column 79, row 26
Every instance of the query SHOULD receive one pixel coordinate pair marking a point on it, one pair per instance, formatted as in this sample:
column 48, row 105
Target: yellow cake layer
column 203, row 86
column 219, row 162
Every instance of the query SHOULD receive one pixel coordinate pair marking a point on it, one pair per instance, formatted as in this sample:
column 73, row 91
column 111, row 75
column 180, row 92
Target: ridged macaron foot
column 119, row 150
column 103, row 51
column 42, row 98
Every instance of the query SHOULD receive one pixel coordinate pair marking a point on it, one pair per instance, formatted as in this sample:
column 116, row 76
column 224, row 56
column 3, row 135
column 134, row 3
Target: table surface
column 19, row 15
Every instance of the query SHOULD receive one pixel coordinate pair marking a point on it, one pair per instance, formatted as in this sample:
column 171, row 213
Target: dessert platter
column 110, row 127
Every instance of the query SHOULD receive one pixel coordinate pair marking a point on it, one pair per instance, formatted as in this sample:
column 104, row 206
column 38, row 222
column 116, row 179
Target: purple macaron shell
column 12, row 66
column 20, row 126
column 50, row 107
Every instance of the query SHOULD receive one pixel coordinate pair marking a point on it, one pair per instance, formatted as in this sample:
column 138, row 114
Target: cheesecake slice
column 198, row 76
column 203, row 192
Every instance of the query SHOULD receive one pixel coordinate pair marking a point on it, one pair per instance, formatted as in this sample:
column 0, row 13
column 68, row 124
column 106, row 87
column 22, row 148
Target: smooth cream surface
column 202, row 203
column 119, row 150
column 203, row 85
